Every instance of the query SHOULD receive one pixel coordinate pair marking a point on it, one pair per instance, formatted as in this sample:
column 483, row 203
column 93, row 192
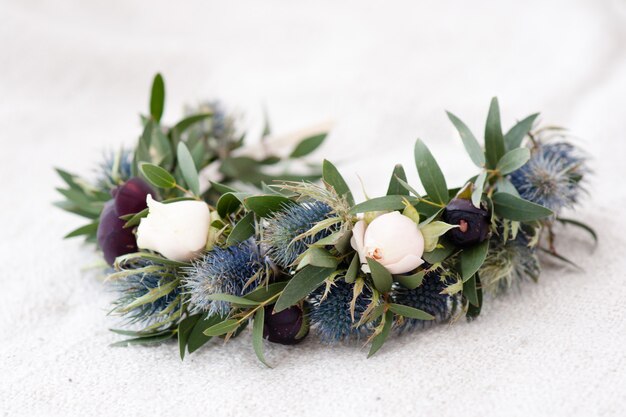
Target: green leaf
column 440, row 253
column 157, row 98
column 513, row 160
column 410, row 312
column 184, row 330
column 221, row 328
column 144, row 340
column 332, row 177
column 561, row 258
column 432, row 231
column 380, row 339
column 386, row 203
column 242, row 230
column 479, row 185
column 301, row 285
column 188, row 168
column 161, row 152
column 407, row 187
column 381, row 277
column 503, row 185
column 410, row 281
column 308, row 145
column 230, row 202
column 581, row 225
column 87, row 229
column 513, row 138
column 157, row 176
column 472, row 259
column 473, row 309
column 473, row 148
column 265, row 205
column 257, row 335
column 232, row 299
column 353, row 269
column 187, row 122
column 430, row 174
column 395, row 187
column 514, row 208
column 265, row 292
column 221, row 188
column 469, row 291
column 494, row 141
column 197, row 338
column 317, row 256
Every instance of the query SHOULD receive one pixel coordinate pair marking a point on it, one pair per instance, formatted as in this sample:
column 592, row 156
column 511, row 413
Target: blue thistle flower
column 224, row 271
column 552, row 176
column 331, row 316
column 292, row 221
column 220, row 126
column 426, row 297
column 148, row 276
column 509, row 262
column 121, row 162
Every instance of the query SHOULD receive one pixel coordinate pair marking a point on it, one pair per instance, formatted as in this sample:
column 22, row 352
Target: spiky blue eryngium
column 290, row 222
column 552, row 176
column 224, row 271
column 121, row 161
column 331, row 316
column 426, row 297
column 135, row 285
column 509, row 263
column 220, row 126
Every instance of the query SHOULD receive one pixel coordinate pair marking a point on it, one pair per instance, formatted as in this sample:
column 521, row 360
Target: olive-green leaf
column 513, row 160
column 395, row 187
column 222, row 328
column 494, row 140
column 511, row 207
column 469, row 290
column 513, row 138
column 332, row 177
column 473, row 148
column 385, row 203
column 197, row 338
column 188, row 168
column 257, row 335
column 265, row 205
column 308, row 145
column 157, row 98
column 83, row 230
column 479, row 185
column 265, row 292
column 472, row 259
column 317, row 256
column 232, row 299
column 410, row 312
column 187, row 122
column 230, row 202
column 380, row 275
column 581, row 225
column 242, row 230
column 184, row 330
column 410, row 281
column 301, row 285
column 380, row 339
column 430, row 174
column 157, row 176
column 353, row 269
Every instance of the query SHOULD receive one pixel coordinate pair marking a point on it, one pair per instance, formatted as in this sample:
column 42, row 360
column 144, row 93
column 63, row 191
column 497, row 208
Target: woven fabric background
column 74, row 76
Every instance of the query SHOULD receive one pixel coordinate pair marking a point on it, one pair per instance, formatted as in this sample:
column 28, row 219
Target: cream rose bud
column 178, row 230
column 393, row 240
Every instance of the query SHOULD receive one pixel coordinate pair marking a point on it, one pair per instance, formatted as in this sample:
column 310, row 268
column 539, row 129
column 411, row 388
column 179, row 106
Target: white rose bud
column 393, row 240
column 176, row 230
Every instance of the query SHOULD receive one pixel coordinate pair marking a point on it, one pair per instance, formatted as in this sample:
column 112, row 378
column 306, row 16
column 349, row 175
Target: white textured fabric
column 75, row 74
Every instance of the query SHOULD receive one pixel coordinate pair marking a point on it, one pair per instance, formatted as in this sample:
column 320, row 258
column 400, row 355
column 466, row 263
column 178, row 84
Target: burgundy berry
column 284, row 326
column 113, row 239
column 473, row 222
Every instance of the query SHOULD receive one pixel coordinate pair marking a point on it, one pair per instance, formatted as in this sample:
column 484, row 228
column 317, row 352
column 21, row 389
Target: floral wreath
column 277, row 248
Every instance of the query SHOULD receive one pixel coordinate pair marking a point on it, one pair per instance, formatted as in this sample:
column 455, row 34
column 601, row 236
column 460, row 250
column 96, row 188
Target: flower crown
column 277, row 249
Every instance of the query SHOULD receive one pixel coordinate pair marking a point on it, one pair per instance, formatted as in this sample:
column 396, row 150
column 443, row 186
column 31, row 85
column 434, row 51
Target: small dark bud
column 283, row 327
column 130, row 197
column 113, row 239
column 473, row 222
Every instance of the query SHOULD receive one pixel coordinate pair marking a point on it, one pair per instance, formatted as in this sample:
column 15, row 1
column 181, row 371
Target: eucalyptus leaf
column 308, row 145
column 432, row 231
column 511, row 207
column 185, row 327
column 222, row 327
column 257, row 335
column 472, row 259
column 232, row 299
column 301, row 285
column 430, row 174
column 513, row 160
column 332, row 177
column 265, row 292
column 410, row 281
column 440, row 253
column 410, row 312
column 353, row 269
column 386, row 203
column 157, row 98
column 83, row 230
column 395, row 187
column 380, row 338
column 513, row 138
column 317, row 256
column 230, row 202
column 380, row 276
column 157, row 176
column 469, row 290
column 494, row 140
column 473, row 309
column 188, row 168
column 243, row 230
column 473, row 148
column 479, row 185
column 265, row 205
column 197, row 338
column 503, row 185
column 581, row 225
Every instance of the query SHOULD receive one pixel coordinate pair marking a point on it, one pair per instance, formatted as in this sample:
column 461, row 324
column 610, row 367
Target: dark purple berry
column 473, row 222
column 284, row 326
column 130, row 197
column 113, row 239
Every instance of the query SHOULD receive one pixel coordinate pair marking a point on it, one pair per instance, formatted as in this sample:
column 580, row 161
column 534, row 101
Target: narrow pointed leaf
column 188, row 168
column 380, row 339
column 380, row 275
column 257, row 335
column 243, row 230
column 157, row 176
column 430, row 174
column 332, row 177
column 472, row 258
column 222, row 328
column 395, row 187
column 410, row 281
column 301, row 285
column 514, row 137
column 157, row 98
column 473, row 148
column 494, row 140
column 479, row 185
column 514, row 208
column 410, row 312
column 513, row 160
column 308, row 145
